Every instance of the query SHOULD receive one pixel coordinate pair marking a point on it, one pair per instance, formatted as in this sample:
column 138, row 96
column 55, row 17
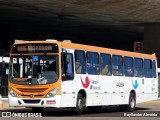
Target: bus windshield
column 34, row 69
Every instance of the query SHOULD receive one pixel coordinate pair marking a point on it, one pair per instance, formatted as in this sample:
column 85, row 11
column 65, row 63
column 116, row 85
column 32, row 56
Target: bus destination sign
column 35, row 48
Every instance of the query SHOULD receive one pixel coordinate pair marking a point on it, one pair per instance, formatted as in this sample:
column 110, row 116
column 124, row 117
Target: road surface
column 150, row 110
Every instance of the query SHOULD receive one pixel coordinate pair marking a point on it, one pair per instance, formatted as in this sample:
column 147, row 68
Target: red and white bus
column 67, row 75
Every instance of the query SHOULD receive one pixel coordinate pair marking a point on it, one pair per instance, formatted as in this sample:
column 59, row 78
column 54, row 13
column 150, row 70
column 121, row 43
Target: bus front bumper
column 34, row 102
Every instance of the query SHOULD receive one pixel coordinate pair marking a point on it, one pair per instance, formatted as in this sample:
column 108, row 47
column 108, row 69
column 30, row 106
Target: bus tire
column 37, row 109
column 79, row 104
column 132, row 102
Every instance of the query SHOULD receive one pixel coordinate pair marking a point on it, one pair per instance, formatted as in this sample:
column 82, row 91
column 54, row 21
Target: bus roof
column 94, row 49
column 108, row 50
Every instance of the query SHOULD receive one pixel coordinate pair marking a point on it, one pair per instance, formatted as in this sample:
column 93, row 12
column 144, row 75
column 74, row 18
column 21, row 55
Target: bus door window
column 67, row 66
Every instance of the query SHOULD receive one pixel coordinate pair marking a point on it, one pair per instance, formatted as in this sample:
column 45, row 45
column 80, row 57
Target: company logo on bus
column 86, row 83
column 31, row 95
column 135, row 84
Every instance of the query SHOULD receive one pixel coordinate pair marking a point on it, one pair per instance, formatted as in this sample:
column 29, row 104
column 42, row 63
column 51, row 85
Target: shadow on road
column 140, row 108
column 113, row 111
column 96, row 111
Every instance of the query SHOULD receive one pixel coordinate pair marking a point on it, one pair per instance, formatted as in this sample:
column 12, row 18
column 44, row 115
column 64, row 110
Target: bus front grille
column 34, row 96
column 32, row 90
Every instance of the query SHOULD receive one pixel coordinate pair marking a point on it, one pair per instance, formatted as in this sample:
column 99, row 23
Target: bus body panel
column 94, row 95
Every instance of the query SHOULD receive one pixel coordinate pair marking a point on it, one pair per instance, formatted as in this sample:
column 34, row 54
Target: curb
column 5, row 103
column 153, row 102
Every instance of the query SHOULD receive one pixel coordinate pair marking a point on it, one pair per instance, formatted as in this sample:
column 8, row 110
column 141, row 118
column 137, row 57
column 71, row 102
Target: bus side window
column 128, row 66
column 68, row 69
column 154, row 69
column 138, row 67
column 105, row 62
column 117, row 62
column 148, row 68
column 93, row 63
column 80, row 62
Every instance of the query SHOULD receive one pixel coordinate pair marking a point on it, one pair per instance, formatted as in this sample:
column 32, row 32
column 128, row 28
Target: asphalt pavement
column 147, row 110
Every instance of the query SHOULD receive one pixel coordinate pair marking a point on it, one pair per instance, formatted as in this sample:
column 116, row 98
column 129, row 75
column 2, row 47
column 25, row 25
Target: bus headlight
column 52, row 93
column 13, row 93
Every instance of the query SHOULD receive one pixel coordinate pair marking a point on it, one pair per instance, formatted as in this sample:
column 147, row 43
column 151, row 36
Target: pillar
column 152, row 40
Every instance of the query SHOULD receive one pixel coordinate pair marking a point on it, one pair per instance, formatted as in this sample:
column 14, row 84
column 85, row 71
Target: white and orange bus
column 66, row 75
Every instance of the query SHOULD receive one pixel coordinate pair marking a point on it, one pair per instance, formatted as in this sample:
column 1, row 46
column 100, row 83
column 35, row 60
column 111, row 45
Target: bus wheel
column 37, row 109
column 80, row 104
column 132, row 102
